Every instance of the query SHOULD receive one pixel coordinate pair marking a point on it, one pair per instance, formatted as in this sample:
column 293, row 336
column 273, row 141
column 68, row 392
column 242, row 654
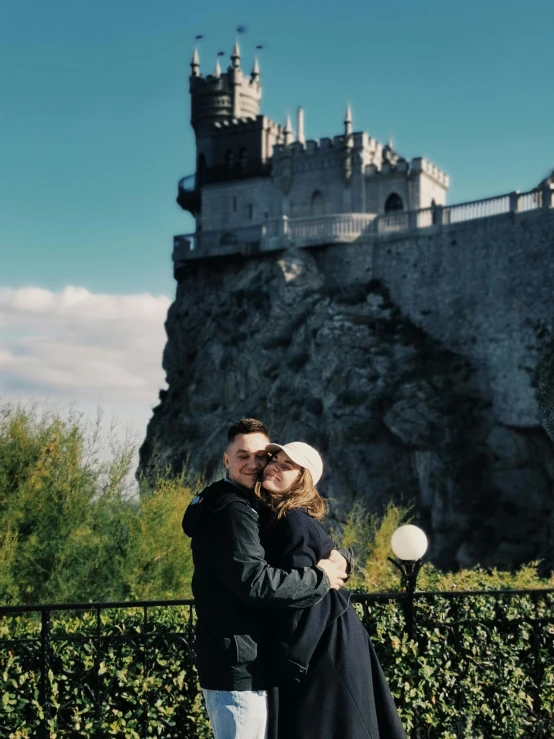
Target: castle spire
column 288, row 131
column 235, row 56
column 217, row 72
column 255, row 69
column 195, row 64
column 348, row 121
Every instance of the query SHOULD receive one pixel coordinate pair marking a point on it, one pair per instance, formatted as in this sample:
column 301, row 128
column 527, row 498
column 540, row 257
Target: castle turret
column 222, row 98
column 233, row 141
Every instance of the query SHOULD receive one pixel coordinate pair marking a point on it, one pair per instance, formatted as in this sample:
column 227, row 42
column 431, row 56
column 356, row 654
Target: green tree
column 71, row 527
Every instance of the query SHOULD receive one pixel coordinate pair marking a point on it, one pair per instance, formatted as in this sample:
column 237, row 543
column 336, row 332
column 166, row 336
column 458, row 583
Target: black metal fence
column 77, row 670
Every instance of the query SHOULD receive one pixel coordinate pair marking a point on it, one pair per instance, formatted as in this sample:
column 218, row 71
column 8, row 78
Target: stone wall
column 410, row 362
column 226, row 206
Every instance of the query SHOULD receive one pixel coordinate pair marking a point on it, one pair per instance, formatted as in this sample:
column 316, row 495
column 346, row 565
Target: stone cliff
column 412, row 363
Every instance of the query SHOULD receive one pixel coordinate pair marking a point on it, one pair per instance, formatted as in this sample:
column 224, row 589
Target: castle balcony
column 341, row 228
column 272, row 235
column 188, row 194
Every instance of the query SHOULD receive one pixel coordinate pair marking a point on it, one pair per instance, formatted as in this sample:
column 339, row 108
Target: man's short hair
column 246, row 426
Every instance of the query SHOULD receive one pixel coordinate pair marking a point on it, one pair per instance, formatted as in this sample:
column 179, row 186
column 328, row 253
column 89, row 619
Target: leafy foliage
column 71, row 529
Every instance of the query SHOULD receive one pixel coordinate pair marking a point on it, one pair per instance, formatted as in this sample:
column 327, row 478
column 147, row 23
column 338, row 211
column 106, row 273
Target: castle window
column 393, row 203
column 318, row 204
column 250, row 211
column 243, row 158
column 234, row 203
column 266, row 215
column 230, row 159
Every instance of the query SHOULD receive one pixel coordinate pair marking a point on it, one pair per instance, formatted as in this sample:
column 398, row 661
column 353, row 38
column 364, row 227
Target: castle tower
column 221, row 98
column 233, row 141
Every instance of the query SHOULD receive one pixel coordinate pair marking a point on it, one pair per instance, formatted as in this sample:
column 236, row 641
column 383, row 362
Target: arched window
column 234, row 203
column 318, row 204
column 393, row 203
column 230, row 159
column 243, row 158
column 250, row 211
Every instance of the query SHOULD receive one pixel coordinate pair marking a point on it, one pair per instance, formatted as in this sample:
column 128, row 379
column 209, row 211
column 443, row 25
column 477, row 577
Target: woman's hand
column 339, row 559
column 335, row 570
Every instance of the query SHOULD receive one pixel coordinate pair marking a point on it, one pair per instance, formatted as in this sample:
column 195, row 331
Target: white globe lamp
column 409, row 543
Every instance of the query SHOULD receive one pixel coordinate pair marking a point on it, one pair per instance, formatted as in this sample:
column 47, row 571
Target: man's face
column 245, row 458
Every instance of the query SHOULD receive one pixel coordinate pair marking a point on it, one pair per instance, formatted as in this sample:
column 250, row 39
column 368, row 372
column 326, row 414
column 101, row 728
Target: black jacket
column 231, row 582
column 330, row 683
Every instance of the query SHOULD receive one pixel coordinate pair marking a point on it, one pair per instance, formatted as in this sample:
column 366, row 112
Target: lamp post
column 409, row 543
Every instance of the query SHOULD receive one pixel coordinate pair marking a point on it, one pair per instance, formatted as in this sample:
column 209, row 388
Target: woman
column 331, row 685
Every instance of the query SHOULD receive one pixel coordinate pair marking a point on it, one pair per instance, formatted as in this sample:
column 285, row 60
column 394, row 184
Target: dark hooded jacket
column 330, row 682
column 232, row 582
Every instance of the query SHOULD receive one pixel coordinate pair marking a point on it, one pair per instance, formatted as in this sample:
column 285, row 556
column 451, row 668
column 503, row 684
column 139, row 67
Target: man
column 232, row 582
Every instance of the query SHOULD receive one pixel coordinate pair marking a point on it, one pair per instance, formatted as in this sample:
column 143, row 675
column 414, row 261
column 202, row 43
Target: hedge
column 480, row 666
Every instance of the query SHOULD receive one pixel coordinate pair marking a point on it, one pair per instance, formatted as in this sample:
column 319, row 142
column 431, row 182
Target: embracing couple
column 281, row 653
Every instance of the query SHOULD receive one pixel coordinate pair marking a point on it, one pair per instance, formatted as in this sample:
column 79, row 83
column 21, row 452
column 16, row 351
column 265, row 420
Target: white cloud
column 85, row 349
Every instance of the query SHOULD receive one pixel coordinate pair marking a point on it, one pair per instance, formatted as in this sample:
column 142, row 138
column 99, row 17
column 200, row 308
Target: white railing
column 344, row 228
column 477, row 209
column 529, row 201
column 393, row 222
column 426, row 217
column 341, row 228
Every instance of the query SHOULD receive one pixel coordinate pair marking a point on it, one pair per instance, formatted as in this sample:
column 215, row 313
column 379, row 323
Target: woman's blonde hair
column 301, row 494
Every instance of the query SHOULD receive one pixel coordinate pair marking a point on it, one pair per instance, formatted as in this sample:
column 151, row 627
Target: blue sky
column 94, row 115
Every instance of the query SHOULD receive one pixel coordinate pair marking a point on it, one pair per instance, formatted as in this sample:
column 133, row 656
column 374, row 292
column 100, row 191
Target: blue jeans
column 237, row 714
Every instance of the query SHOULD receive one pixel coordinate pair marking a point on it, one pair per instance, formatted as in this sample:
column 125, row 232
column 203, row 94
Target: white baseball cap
column 302, row 454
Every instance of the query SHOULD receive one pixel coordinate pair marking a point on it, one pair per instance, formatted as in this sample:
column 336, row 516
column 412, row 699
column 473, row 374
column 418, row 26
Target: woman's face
column 280, row 473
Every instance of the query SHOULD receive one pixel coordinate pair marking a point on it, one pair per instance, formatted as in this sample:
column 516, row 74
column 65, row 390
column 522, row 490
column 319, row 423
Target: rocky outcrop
column 396, row 411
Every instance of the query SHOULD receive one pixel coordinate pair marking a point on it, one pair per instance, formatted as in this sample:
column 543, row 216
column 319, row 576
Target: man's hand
column 335, row 571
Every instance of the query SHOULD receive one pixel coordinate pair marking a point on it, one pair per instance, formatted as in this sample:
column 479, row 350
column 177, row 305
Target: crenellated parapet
column 224, row 97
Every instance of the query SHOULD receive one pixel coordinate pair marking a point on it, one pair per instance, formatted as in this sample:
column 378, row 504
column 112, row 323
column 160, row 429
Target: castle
column 256, row 179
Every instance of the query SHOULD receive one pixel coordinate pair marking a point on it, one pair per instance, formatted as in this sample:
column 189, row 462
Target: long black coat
column 331, row 685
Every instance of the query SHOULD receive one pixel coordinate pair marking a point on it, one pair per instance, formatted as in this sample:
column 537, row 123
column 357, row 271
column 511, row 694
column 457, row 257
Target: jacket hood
column 209, row 503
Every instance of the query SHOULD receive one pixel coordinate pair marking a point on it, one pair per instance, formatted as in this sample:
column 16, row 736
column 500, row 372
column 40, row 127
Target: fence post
column 97, row 692
column 437, row 216
column 514, row 200
column 44, row 687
